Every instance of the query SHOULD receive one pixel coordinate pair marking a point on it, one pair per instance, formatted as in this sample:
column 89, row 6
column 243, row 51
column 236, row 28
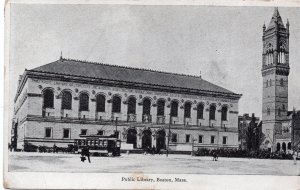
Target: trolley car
column 99, row 145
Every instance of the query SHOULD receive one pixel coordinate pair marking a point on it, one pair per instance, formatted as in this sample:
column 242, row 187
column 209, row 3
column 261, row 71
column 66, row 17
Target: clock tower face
column 275, row 72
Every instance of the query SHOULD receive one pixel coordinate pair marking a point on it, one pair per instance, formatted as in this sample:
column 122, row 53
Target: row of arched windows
column 283, row 146
column 48, row 102
column 269, row 57
column 282, row 55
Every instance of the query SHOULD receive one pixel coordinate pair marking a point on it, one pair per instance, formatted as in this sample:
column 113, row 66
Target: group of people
column 152, row 151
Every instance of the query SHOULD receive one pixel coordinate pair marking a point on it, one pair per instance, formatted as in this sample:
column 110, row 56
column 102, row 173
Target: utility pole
column 117, row 135
column 169, row 136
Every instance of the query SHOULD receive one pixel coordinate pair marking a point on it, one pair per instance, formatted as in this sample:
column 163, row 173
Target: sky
column 224, row 44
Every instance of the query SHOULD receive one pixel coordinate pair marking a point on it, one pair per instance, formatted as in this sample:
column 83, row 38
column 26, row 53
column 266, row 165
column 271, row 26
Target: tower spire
column 276, row 20
column 61, row 58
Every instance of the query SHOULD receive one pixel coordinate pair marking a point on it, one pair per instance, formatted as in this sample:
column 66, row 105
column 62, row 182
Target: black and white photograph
column 151, row 95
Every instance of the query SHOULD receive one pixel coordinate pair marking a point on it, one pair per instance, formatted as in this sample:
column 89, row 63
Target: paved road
column 182, row 164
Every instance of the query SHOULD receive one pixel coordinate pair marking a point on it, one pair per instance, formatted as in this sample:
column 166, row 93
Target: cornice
column 130, row 85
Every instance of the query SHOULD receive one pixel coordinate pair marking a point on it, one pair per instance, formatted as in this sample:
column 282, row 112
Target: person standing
column 295, row 158
column 87, row 153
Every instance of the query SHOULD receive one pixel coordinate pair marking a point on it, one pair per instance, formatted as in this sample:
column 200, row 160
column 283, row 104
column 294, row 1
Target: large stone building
column 57, row 102
column 276, row 119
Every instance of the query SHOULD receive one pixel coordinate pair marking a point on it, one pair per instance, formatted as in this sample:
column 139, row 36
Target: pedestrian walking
column 215, row 156
column 88, row 153
column 295, row 158
column 153, row 150
column 85, row 152
column 54, row 148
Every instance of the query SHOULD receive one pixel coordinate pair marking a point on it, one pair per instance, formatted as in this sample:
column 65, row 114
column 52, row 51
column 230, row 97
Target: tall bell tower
column 275, row 72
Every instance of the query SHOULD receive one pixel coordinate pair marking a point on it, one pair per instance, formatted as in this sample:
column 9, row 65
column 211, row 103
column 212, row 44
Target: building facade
column 275, row 72
column 57, row 102
column 280, row 126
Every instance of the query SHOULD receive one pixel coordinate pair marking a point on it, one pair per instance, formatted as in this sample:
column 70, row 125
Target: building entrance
column 161, row 140
column 146, row 139
column 131, row 137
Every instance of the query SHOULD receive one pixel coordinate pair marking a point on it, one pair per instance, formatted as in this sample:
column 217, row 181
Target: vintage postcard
column 152, row 95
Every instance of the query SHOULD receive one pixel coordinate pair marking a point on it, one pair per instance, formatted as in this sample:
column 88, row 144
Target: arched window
column 66, row 100
column 281, row 82
column 267, row 83
column 268, row 111
column 200, row 109
column 270, row 82
column 278, row 147
column 83, row 102
column 174, row 109
column 212, row 112
column 284, row 146
column 146, row 106
column 283, row 107
column 131, row 105
column 187, row 109
column 116, row 104
column 160, row 107
column 100, row 103
column 224, row 113
column 279, row 112
column 48, row 98
column 289, row 146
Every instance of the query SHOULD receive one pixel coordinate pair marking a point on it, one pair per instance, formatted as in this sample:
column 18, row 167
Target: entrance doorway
column 146, row 139
column 131, row 137
column 161, row 140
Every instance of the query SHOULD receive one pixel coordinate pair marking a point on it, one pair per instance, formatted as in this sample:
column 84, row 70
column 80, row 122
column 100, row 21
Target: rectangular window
column 224, row 140
column 187, row 138
column 100, row 132
column 212, row 139
column 66, row 133
column 48, row 132
column 200, row 139
column 83, row 131
column 174, row 137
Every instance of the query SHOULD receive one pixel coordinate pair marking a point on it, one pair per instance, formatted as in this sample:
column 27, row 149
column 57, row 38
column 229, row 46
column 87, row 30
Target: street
column 182, row 164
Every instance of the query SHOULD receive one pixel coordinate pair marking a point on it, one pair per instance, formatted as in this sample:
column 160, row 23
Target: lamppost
column 116, row 133
column 193, row 140
column 169, row 136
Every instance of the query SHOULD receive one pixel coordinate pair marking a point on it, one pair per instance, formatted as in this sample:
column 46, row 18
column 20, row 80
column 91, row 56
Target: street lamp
column 169, row 136
column 193, row 140
column 116, row 133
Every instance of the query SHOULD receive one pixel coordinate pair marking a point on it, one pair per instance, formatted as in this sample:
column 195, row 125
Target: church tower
column 275, row 71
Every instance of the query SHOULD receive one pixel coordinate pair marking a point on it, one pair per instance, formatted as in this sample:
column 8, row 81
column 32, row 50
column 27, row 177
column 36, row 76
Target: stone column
column 139, row 112
column 124, row 110
column 108, row 109
column 194, row 114
column 154, row 113
column 92, row 108
column 57, row 106
column 75, row 107
column 167, row 112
